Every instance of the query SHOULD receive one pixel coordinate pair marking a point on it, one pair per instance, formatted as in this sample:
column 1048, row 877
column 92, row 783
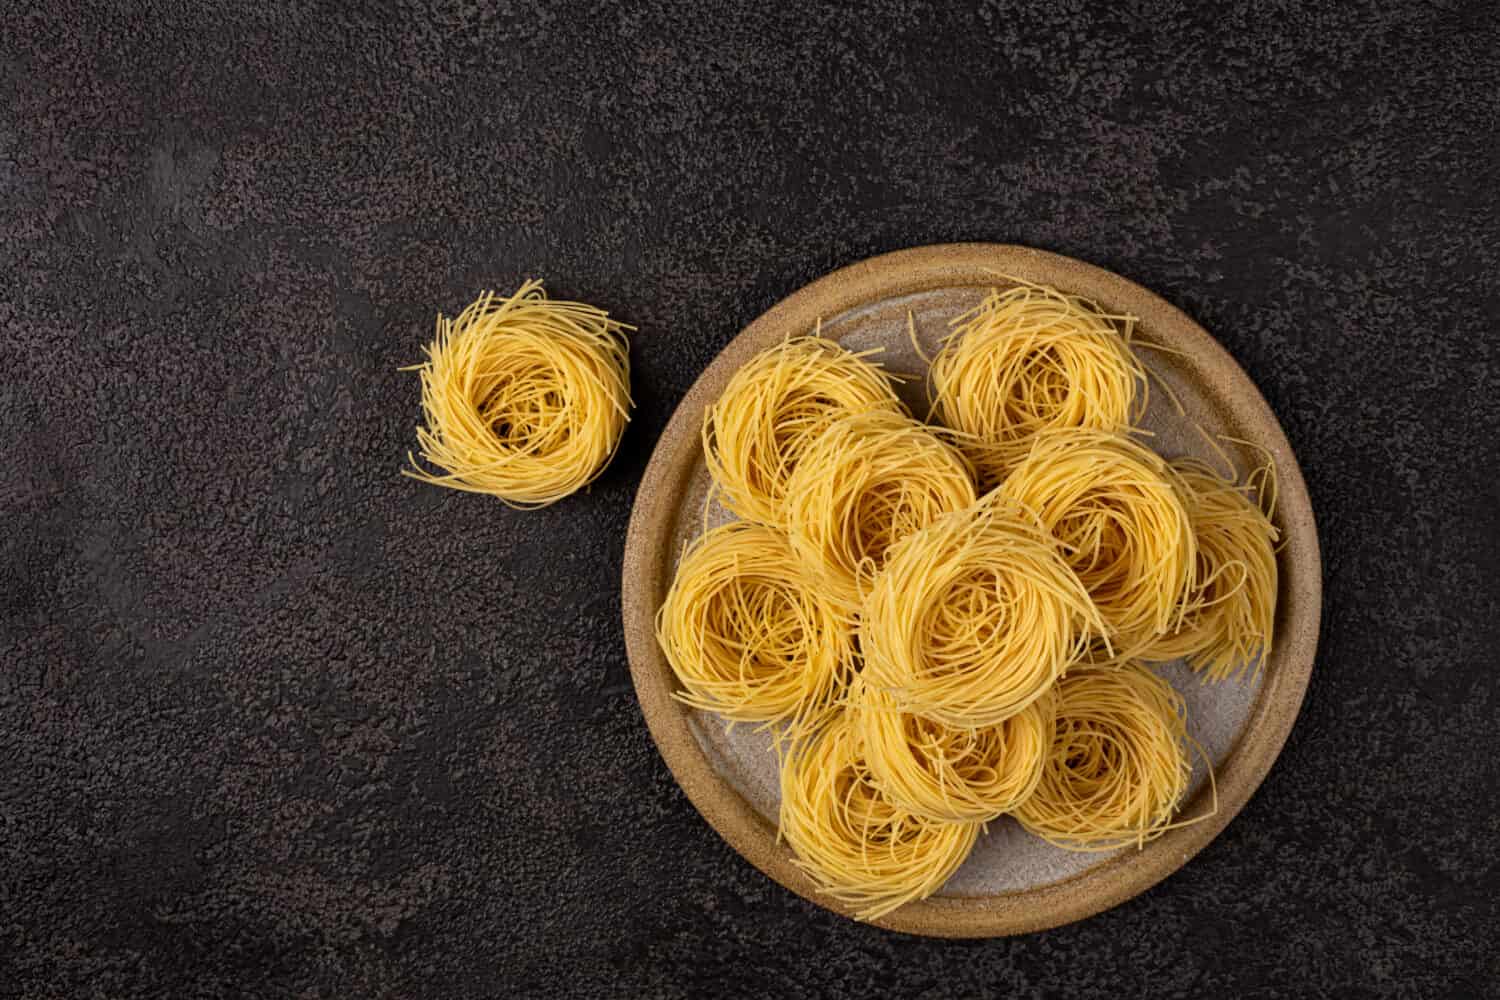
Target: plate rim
column 646, row 573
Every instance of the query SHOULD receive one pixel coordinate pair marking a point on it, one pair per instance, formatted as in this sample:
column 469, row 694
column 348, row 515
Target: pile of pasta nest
column 942, row 623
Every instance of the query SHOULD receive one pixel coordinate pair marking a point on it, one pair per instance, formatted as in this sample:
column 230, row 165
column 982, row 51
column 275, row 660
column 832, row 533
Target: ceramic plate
column 1013, row 882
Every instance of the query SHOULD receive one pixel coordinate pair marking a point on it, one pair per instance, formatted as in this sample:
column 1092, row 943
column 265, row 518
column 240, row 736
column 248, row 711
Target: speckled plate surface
column 1012, row 883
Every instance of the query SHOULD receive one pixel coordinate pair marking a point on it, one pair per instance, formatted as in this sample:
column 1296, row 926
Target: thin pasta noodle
column 870, row 479
column 746, row 637
column 1138, row 343
column 1262, row 483
column 946, row 772
column 1117, row 511
column 855, row 843
column 774, row 408
column 1230, row 616
column 523, row 397
column 974, row 617
column 1118, row 767
column 1030, row 359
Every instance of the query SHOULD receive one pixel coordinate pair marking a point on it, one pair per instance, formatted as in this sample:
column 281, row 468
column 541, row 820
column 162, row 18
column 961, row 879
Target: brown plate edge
column 647, row 563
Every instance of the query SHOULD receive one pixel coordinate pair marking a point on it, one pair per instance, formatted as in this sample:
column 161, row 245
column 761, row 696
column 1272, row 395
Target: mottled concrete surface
column 277, row 722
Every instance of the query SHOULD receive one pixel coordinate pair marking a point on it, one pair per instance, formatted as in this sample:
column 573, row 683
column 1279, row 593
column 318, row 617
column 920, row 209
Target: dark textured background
column 275, row 720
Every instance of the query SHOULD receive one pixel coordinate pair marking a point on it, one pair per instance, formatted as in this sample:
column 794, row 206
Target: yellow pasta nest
column 1114, row 507
column 773, row 409
column 868, row 481
column 859, row 847
column 1032, row 359
column 974, row 617
column 947, row 772
column 524, row 398
column 746, row 636
column 1118, row 766
column 1231, row 614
